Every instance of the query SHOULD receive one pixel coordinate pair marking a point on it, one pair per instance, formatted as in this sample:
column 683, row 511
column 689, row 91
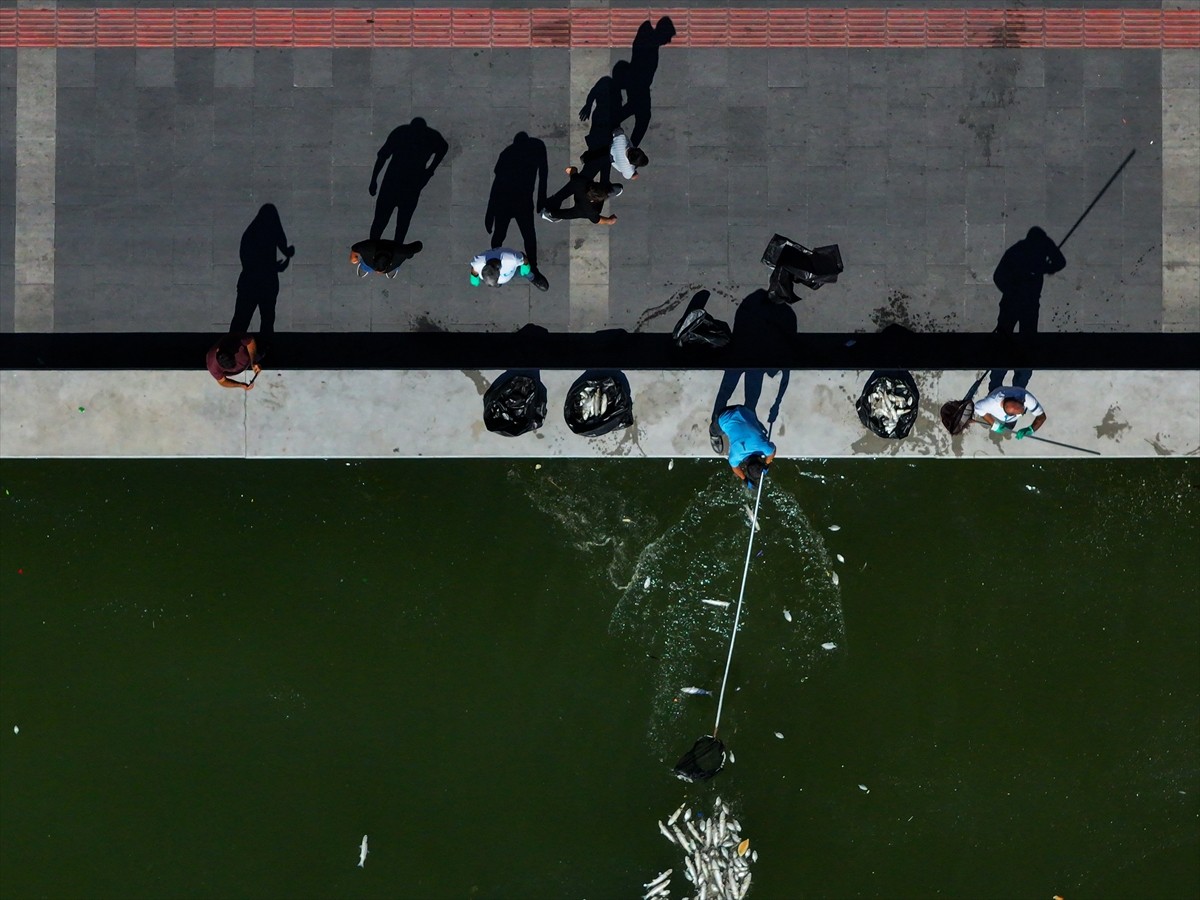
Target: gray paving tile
column 312, row 67
column 76, row 67
column 195, row 77
column 787, row 67
column 155, row 67
column 233, row 67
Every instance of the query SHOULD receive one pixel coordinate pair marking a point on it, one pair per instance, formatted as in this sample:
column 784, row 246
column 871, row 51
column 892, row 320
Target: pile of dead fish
column 890, row 401
column 591, row 401
column 717, row 860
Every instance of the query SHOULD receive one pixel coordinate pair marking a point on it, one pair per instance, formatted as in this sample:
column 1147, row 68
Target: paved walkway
column 393, row 415
column 142, row 166
column 137, row 149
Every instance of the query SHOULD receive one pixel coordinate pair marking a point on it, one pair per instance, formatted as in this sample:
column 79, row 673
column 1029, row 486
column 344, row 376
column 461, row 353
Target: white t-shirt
column 619, row 152
column 993, row 404
column 510, row 262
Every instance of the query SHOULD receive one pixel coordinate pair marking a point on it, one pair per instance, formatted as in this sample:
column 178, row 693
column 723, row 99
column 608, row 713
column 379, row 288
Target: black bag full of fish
column 514, row 405
column 598, row 403
column 889, row 403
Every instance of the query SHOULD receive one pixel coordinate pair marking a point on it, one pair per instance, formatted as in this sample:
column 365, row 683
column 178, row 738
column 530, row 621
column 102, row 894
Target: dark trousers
column 584, row 208
column 1015, row 314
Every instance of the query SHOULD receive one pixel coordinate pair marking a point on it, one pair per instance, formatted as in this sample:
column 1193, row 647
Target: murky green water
column 224, row 674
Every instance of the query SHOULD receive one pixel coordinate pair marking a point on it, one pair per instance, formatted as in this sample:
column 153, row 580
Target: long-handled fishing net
column 707, row 756
column 958, row 414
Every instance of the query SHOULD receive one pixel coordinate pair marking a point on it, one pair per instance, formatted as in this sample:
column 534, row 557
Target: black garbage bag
column 888, row 404
column 514, row 405
column 699, row 329
column 702, row 762
column 598, row 403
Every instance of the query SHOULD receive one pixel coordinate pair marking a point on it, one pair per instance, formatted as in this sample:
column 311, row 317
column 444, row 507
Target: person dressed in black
column 411, row 153
column 518, row 189
column 589, row 200
column 381, row 257
column 258, row 283
column 1019, row 276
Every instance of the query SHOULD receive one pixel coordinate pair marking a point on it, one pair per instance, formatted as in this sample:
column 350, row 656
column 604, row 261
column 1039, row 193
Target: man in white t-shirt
column 625, row 158
column 1004, row 406
column 498, row 266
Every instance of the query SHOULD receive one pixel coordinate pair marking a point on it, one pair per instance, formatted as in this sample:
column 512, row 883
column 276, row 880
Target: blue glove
column 1023, row 432
column 998, row 426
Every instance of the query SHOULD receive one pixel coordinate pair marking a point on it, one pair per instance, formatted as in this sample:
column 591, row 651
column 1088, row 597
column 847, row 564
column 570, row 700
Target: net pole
column 741, row 596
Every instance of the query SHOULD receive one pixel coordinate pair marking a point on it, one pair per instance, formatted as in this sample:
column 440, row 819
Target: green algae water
column 216, row 677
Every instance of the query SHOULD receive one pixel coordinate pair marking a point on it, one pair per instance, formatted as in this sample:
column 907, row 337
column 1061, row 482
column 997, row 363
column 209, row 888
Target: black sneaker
column 549, row 218
column 539, row 281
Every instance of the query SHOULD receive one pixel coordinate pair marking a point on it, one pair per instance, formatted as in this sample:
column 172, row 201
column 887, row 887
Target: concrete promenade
column 135, row 158
column 391, row 415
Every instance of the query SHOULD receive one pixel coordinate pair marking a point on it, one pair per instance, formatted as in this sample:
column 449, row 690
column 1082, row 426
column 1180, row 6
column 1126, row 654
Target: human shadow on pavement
column 602, row 111
column 258, row 283
column 1020, row 275
column 411, row 154
column 759, row 325
column 518, row 190
column 636, row 76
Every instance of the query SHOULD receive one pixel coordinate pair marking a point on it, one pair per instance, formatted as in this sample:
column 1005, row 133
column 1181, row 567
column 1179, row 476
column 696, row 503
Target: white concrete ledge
column 395, row 414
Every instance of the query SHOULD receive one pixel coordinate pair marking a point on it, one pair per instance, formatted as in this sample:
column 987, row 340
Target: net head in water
column 703, row 761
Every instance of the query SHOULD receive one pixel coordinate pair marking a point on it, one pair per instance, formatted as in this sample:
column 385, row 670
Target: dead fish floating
column 695, row 692
column 787, row 615
column 717, row 857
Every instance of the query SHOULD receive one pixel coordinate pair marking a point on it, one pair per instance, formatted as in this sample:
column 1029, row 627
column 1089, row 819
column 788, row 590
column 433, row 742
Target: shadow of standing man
column 636, row 76
column 411, row 153
column 1019, row 276
column 518, row 190
column 258, row 283
column 771, row 329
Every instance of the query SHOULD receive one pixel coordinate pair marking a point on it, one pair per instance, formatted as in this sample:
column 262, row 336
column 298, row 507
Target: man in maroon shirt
column 231, row 355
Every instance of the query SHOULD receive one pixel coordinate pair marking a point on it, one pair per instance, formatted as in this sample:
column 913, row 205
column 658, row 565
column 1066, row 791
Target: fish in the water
column 670, row 465
column 779, row 734
column 834, row 576
column 743, row 847
column 840, row 558
column 724, row 604
column 864, row 789
column 835, row 527
column 829, row 645
column 787, row 615
column 646, row 584
column 665, row 875
column 362, row 852
column 750, row 517
column 695, row 691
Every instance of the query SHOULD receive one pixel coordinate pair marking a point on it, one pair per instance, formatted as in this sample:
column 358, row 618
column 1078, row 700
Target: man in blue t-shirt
column 750, row 453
